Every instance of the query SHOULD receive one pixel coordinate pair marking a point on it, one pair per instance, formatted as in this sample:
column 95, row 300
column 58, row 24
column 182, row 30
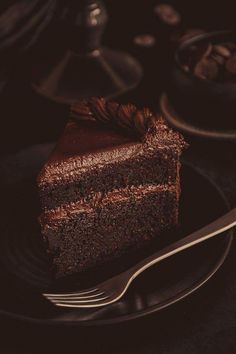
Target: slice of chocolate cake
column 111, row 185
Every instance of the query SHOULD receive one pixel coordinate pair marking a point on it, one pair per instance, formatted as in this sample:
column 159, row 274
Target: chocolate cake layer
column 91, row 157
column 80, row 236
column 110, row 186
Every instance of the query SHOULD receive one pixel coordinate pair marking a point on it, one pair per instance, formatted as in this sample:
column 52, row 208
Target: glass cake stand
column 87, row 68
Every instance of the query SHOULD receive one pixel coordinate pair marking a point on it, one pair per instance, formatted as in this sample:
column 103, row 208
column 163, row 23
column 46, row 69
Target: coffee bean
column 206, row 69
column 167, row 14
column 201, row 51
column 231, row 65
column 193, row 54
column 221, row 50
column 145, row 40
column 218, row 58
column 205, row 49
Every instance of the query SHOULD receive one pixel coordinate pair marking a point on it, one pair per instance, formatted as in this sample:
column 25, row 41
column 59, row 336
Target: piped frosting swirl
column 125, row 116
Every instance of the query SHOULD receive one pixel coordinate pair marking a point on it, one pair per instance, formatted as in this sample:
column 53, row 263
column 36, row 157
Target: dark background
column 26, row 118
column 205, row 322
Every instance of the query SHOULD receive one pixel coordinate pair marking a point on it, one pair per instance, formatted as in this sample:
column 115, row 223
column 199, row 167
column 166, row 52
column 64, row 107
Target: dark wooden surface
column 205, row 322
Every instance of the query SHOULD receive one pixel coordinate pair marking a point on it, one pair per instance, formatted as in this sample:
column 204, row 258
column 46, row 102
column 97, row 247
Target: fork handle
column 218, row 226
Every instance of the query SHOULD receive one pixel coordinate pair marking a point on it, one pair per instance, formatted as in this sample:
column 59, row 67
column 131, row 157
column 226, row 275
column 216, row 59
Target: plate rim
column 152, row 309
column 181, row 124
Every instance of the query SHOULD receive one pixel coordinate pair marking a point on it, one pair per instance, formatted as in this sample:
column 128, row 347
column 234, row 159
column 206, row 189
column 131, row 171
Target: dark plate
column 176, row 121
column 24, row 268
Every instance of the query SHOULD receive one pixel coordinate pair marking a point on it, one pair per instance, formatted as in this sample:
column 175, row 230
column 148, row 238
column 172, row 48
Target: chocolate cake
column 110, row 186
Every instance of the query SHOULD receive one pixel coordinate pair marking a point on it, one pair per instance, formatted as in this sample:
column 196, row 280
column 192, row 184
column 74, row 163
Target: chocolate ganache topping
column 124, row 116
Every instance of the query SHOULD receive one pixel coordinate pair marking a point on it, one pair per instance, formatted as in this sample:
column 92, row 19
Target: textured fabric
column 21, row 24
column 22, row 21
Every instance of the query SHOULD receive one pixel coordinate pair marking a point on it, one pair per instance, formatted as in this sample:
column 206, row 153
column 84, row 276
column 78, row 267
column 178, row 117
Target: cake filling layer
column 79, row 184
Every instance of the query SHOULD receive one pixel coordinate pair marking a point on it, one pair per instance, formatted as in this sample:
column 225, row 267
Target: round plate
column 24, row 271
column 186, row 127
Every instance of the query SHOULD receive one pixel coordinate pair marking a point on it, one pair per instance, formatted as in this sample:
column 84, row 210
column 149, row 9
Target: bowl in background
column 202, row 102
